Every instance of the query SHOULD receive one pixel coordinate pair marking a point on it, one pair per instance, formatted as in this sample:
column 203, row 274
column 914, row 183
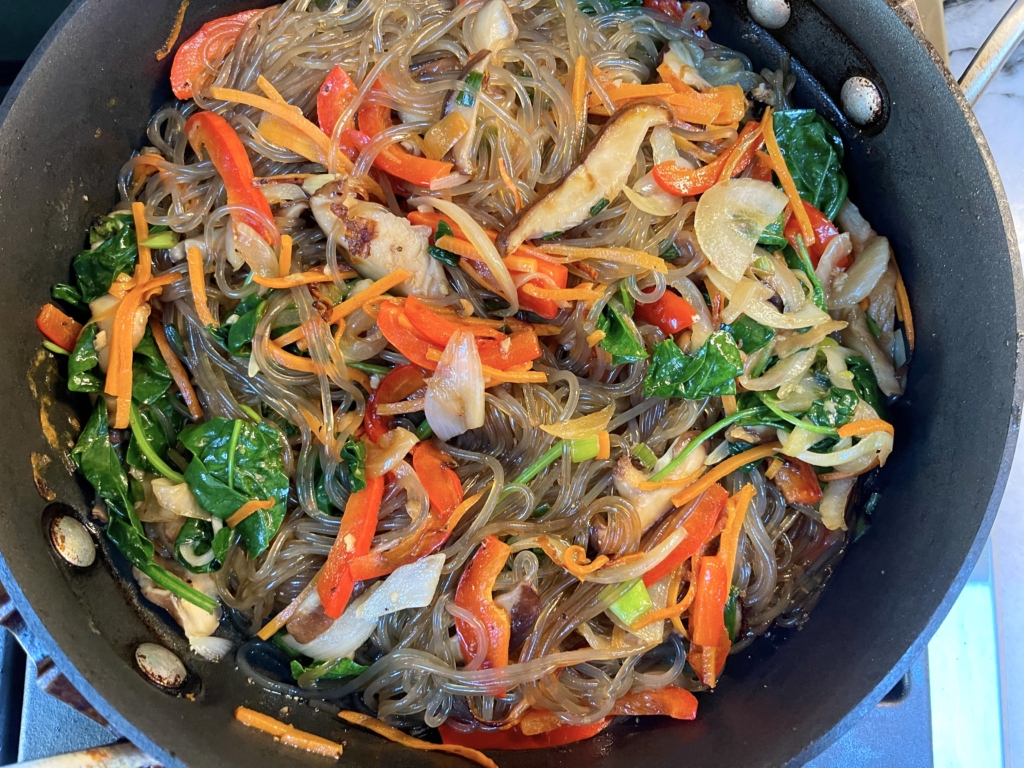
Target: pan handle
column 48, row 677
column 994, row 52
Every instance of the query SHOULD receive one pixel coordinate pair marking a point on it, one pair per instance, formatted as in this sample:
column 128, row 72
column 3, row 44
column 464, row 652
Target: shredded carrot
column 284, row 261
column 288, row 734
column 293, row 362
column 271, row 92
column 580, row 92
column 274, row 625
column 719, row 471
column 197, row 280
column 405, row 406
column 830, row 477
column 293, row 336
column 617, row 255
column 738, row 151
column 906, row 316
column 678, row 482
column 459, row 247
column 866, row 427
column 604, row 445
column 177, row 370
column 595, row 338
column 786, row 179
column 626, row 92
column 503, row 172
column 583, row 292
column 247, row 509
column 729, row 404
column 397, row 736
column 496, row 376
column 144, row 269
column 360, row 378
column 735, row 513
column 367, row 295
column 671, row 612
column 293, row 280
column 773, row 468
column 576, row 562
column 865, row 304
column 172, row 39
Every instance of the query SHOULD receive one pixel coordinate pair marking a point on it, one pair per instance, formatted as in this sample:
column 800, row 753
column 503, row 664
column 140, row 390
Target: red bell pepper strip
column 709, row 661
column 58, row 327
column 707, row 618
column 211, row 132
column 824, row 231
column 399, row 332
column 376, row 118
column 438, row 329
column 358, row 523
column 671, row 313
column 401, row 382
column 514, row 738
column 474, row 595
column 763, row 169
column 699, row 528
column 335, row 95
column 546, row 308
column 210, row 44
column 677, row 703
column 684, row 182
column 434, row 469
column 520, row 347
column 798, row 482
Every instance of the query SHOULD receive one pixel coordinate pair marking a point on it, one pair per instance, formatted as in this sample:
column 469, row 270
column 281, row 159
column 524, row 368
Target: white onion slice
column 409, row 586
column 862, row 277
column 786, row 372
column 211, row 648
column 178, row 498
column 389, row 451
column 344, row 636
column 657, row 203
column 455, row 393
column 833, row 503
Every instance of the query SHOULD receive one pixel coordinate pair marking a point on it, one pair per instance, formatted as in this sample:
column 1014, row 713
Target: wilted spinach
column 82, row 361
column 341, row 668
column 150, row 376
column 749, row 334
column 814, row 155
column 68, row 293
column 199, row 535
column 240, row 333
column 835, row 409
column 710, row 372
column 865, row 383
column 621, row 337
column 112, row 251
column 773, row 236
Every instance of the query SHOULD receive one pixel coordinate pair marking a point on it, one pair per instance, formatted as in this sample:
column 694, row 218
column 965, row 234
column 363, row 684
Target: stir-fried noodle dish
column 491, row 369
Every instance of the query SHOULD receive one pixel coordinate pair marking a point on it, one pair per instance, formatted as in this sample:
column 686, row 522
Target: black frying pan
column 923, row 176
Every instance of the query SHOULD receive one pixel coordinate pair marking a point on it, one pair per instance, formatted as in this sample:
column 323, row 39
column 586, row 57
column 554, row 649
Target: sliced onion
column 492, row 28
column 663, row 146
column 187, row 551
column 657, row 203
column 281, row 193
column 455, row 393
column 178, row 498
column 392, row 448
column 743, row 293
column 786, row 372
column 484, row 247
column 799, row 440
column 254, row 251
column 802, row 395
column 787, row 285
column 876, row 444
column 701, row 328
column 788, row 343
column 409, row 586
column 858, row 337
column 211, row 648
column 833, row 503
column 344, row 636
column 838, row 247
column 449, row 181
column 748, row 297
column 730, row 218
column 721, row 453
column 835, row 363
column 584, row 426
column 850, row 221
column 862, row 277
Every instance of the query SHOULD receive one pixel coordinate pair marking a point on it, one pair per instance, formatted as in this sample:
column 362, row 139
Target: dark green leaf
column 835, row 410
column 99, row 463
column 735, row 449
column 241, row 332
column 223, row 479
column 67, row 293
column 150, row 377
column 340, row 669
column 865, row 383
column 710, row 372
column 749, row 334
column 615, row 5
column 621, row 337
column 199, row 535
column 222, row 542
column 669, row 251
column 446, row 257
column 772, row 237
column 83, row 363
column 114, row 252
column 873, row 326
column 814, row 157
column 353, row 459
column 157, row 438
column 599, row 206
column 733, row 613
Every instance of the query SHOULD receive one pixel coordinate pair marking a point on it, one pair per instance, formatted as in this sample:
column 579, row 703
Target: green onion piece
column 599, row 206
column 642, row 453
column 135, row 420
column 379, row 370
column 467, row 98
column 873, row 326
column 546, row 460
column 162, row 240
column 634, row 604
column 711, row 431
column 584, row 448
column 176, row 586
column 424, row 431
column 54, row 348
column 773, row 406
column 542, row 510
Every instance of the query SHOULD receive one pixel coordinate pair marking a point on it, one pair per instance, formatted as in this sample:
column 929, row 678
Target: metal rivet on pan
column 771, row 14
column 160, row 665
column 72, row 541
column 861, row 100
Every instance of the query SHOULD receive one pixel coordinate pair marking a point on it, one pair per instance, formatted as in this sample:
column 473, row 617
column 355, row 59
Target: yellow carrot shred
column 583, row 292
column 735, row 513
column 595, row 338
column 293, row 280
column 678, row 482
column 496, row 376
column 671, row 612
column 866, row 427
column 293, row 362
column 580, row 92
column 405, row 406
column 516, row 195
column 788, row 185
column 177, row 370
column 288, row 734
column 284, row 261
column 144, row 269
column 399, row 737
column 379, row 288
column 576, row 562
column 906, row 316
column 247, row 509
column 172, row 38
column 617, row 255
column 360, row 378
column 719, row 471
column 459, row 247
column 773, row 468
column 271, row 92
column 197, row 281
column 604, row 445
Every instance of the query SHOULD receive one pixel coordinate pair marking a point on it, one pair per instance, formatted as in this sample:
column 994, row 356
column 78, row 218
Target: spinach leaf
column 749, row 334
column 710, row 372
column 738, row 447
column 621, row 338
column 222, row 541
column 353, row 459
column 150, row 377
column 96, row 458
column 233, row 462
column 763, row 416
column 614, row 5
column 157, row 438
column 865, row 383
column 67, row 293
column 240, row 333
column 82, row 361
column 772, row 237
column 814, row 157
column 446, row 257
column 669, row 250
column 198, row 534
column 113, row 252
column 835, row 410
column 733, row 613
column 341, row 668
